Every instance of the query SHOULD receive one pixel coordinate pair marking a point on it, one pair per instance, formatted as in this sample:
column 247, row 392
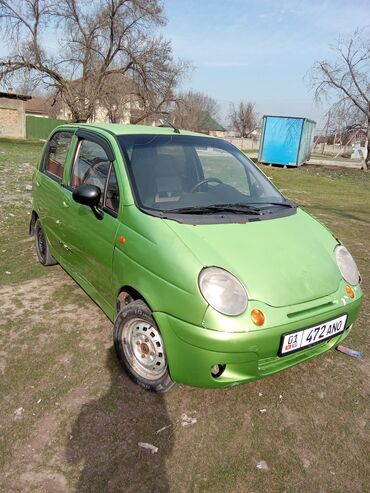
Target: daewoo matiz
column 211, row 276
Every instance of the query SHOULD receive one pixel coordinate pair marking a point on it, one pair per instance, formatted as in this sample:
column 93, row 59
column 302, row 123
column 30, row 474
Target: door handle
column 37, row 183
column 65, row 203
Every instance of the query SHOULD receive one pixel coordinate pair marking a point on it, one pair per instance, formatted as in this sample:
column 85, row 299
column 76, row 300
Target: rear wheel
column 140, row 347
column 42, row 247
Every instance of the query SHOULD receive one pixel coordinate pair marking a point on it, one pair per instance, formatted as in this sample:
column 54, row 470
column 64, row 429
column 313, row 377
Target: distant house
column 256, row 134
column 350, row 136
column 320, row 139
column 210, row 126
column 101, row 114
column 13, row 114
column 356, row 136
column 117, row 103
column 37, row 106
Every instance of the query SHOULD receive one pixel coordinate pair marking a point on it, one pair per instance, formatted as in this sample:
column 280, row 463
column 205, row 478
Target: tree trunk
column 80, row 114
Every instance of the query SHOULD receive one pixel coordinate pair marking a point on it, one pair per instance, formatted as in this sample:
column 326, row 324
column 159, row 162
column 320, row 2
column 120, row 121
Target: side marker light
column 350, row 292
column 258, row 318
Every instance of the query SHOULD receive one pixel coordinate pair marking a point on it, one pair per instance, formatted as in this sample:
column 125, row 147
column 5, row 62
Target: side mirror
column 89, row 195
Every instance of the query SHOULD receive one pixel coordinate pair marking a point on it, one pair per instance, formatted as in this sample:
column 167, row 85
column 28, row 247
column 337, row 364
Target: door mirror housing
column 88, row 195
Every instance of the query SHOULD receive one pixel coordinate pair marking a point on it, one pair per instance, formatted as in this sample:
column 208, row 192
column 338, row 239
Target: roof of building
column 37, row 105
column 320, row 139
column 209, row 123
column 12, row 95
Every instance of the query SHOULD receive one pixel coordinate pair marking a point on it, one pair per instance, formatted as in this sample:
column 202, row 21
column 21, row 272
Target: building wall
column 37, row 115
column 217, row 133
column 12, row 118
column 101, row 114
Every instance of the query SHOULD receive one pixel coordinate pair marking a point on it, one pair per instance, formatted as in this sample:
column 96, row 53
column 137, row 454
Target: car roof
column 121, row 129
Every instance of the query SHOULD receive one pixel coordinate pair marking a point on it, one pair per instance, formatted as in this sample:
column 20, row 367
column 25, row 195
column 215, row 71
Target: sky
column 260, row 50
column 255, row 50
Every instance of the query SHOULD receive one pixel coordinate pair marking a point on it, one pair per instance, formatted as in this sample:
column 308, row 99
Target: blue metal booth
column 286, row 140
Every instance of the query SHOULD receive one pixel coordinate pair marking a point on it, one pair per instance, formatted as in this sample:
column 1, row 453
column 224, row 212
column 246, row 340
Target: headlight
column 222, row 291
column 347, row 265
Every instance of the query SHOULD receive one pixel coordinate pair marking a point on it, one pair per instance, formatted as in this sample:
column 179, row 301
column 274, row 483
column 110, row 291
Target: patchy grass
column 250, row 151
column 17, row 162
column 18, row 151
column 82, row 418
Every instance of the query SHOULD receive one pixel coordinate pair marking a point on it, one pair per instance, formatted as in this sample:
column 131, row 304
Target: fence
column 244, row 143
column 40, row 128
column 334, row 150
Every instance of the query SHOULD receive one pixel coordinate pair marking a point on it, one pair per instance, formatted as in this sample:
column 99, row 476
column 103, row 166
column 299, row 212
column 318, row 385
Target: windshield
column 185, row 174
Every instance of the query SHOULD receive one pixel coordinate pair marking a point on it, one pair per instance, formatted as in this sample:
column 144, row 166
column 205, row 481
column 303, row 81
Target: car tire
column 42, row 246
column 140, row 348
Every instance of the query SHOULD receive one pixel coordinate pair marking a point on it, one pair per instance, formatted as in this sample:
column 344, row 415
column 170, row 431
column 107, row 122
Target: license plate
column 295, row 341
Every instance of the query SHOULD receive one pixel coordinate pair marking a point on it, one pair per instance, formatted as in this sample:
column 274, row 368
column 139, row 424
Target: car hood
column 282, row 261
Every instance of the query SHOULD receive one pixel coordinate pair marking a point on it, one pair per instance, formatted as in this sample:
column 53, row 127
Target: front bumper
column 193, row 350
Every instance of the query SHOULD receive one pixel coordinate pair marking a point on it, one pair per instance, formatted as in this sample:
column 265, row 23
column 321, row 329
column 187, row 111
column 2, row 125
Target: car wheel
column 140, row 347
column 42, row 247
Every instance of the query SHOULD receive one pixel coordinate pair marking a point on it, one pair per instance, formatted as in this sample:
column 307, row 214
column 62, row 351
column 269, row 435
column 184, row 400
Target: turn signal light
column 350, row 292
column 258, row 318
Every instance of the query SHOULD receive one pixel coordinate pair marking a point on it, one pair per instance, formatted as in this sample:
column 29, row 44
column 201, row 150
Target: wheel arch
column 125, row 293
column 34, row 217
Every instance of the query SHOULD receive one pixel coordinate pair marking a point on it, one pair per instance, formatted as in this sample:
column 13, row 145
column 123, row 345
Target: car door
column 49, row 193
column 91, row 241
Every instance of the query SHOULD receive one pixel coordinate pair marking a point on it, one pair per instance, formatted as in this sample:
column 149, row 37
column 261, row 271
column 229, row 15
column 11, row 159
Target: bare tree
column 347, row 77
column 116, row 98
column 243, row 118
column 23, row 85
column 343, row 118
column 95, row 41
column 193, row 109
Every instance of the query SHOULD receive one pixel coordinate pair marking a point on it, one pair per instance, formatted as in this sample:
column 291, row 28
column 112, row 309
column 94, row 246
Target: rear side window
column 93, row 167
column 57, row 151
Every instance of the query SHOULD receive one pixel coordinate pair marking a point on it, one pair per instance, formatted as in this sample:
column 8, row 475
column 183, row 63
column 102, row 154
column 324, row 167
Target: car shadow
column 104, row 439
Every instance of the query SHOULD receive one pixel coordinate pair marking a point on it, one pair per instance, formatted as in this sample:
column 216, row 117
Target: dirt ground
column 71, row 421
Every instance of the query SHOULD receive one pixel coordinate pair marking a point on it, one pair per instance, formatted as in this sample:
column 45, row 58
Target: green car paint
column 285, row 263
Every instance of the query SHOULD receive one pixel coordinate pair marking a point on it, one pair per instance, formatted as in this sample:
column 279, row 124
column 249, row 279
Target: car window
column 222, row 165
column 168, row 173
column 176, row 153
column 57, row 154
column 112, row 193
column 92, row 167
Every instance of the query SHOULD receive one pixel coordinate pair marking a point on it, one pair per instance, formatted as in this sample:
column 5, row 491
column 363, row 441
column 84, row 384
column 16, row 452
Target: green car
column 211, row 276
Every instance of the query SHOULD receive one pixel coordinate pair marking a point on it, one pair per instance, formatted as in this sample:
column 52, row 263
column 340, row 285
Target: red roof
column 37, row 105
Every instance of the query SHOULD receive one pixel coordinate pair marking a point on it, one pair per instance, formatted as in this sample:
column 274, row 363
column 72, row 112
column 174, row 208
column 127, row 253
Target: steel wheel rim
column 144, row 349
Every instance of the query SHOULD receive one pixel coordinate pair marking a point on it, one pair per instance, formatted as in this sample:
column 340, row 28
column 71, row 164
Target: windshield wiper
column 283, row 204
column 217, row 208
column 256, row 208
